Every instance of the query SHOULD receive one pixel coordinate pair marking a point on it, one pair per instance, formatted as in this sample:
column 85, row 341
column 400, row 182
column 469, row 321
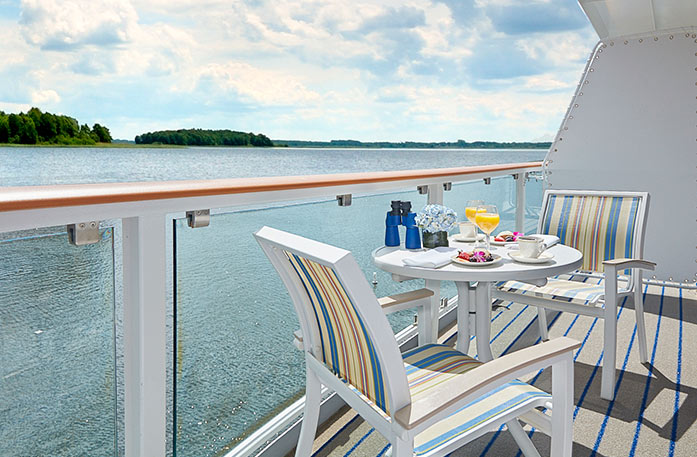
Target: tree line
column 200, row 137
column 462, row 144
column 36, row 127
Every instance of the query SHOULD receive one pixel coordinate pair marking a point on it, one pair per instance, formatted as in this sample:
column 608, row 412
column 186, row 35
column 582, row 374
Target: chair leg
column 562, row 407
column 313, row 397
column 522, row 439
column 607, row 388
column 640, row 323
column 542, row 322
column 402, row 448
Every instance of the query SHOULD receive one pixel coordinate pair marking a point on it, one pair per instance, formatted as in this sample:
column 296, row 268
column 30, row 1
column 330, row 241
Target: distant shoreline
column 299, row 145
column 460, row 144
column 94, row 146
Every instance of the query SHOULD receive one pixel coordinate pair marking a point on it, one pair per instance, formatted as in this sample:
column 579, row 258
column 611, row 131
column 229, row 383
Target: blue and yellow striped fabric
column 347, row 349
column 433, row 364
column 600, row 227
column 581, row 293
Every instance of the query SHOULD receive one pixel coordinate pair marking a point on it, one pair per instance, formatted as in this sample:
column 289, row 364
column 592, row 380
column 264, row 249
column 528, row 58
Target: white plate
column 501, row 243
column 467, row 239
column 544, row 257
column 467, row 263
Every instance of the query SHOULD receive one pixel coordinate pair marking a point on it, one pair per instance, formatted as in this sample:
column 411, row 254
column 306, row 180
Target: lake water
column 36, row 166
column 231, row 365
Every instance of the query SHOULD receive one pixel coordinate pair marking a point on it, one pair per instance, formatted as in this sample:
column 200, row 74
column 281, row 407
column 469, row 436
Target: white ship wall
column 632, row 125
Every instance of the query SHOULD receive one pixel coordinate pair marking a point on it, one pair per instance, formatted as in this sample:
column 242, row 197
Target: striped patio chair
column 608, row 228
column 428, row 401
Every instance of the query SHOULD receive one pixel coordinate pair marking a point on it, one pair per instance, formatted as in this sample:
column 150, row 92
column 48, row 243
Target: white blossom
column 436, row 218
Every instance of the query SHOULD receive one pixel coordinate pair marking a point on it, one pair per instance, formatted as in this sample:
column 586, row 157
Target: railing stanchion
column 428, row 317
column 435, row 194
column 520, row 179
column 144, row 284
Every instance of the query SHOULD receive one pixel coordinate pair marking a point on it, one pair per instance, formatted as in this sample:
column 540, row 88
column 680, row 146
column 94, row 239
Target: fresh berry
column 463, row 255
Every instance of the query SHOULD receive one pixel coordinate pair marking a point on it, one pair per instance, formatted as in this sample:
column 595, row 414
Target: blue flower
column 436, row 218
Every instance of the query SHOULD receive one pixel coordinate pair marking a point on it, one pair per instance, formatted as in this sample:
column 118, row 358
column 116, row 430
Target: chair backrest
column 602, row 225
column 342, row 323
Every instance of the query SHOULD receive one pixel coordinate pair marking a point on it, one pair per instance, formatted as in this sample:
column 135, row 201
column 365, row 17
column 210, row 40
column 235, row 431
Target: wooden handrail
column 57, row 196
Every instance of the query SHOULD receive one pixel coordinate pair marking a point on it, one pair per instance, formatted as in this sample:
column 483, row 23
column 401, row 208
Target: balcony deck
column 655, row 407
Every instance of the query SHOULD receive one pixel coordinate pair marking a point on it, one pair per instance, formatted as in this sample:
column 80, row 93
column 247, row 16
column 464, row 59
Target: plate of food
column 479, row 258
column 505, row 238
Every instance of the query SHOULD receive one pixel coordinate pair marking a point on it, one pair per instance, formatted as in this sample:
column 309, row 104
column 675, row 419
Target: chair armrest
column 621, row 264
column 459, row 390
column 405, row 300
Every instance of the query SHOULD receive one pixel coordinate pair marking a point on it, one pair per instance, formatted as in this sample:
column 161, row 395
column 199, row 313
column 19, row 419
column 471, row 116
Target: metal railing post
column 520, row 179
column 428, row 316
column 435, row 194
column 144, row 302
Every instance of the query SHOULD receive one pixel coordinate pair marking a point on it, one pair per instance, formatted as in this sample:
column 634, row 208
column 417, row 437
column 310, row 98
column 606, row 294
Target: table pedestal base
column 474, row 317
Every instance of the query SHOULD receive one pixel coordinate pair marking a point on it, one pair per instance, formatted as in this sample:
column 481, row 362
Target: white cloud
column 41, row 97
column 559, row 49
column 546, row 82
column 14, row 107
column 254, row 84
column 59, row 25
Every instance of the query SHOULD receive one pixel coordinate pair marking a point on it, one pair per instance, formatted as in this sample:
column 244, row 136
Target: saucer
column 544, row 257
column 468, row 239
column 501, row 243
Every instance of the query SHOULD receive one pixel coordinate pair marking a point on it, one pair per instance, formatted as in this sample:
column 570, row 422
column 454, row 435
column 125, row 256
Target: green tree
column 68, row 126
column 14, row 122
column 35, row 114
column 4, row 129
column 27, row 131
column 47, row 127
column 103, row 134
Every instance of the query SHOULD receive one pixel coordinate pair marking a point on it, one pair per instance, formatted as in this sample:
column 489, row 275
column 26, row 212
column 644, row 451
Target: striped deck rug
column 655, row 409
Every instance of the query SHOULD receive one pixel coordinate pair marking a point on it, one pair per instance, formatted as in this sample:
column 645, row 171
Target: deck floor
column 655, row 407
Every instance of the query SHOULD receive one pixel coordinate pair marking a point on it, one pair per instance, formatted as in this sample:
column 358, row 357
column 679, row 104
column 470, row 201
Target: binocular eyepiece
column 400, row 208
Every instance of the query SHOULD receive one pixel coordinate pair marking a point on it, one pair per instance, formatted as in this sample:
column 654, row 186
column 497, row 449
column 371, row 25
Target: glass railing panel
column 58, row 392
column 235, row 365
column 502, row 193
column 534, row 190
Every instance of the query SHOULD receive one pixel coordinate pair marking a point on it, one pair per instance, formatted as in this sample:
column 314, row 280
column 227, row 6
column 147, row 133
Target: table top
column 565, row 259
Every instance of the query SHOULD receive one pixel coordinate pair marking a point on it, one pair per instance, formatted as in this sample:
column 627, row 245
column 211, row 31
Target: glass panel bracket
column 84, row 233
column 198, row 218
column 344, row 200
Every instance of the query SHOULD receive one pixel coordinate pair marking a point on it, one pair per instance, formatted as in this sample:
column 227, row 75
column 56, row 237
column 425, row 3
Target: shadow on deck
column 655, row 406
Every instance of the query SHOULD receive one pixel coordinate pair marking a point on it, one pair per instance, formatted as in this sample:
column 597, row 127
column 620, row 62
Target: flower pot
column 434, row 239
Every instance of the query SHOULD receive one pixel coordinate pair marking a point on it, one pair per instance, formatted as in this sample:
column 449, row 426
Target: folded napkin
column 433, row 258
column 549, row 240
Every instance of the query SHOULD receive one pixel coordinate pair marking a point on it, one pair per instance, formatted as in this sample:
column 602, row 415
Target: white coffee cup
column 467, row 230
column 531, row 246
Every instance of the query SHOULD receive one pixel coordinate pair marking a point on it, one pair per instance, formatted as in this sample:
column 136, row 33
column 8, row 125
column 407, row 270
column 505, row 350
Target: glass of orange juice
column 487, row 219
column 471, row 212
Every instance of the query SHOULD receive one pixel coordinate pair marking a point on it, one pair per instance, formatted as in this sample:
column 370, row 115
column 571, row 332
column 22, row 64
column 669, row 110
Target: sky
column 388, row 70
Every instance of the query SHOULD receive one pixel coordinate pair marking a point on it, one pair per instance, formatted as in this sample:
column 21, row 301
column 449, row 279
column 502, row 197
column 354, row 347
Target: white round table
column 473, row 286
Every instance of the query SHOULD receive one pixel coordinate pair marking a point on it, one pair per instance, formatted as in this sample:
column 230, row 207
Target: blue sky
column 399, row 70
